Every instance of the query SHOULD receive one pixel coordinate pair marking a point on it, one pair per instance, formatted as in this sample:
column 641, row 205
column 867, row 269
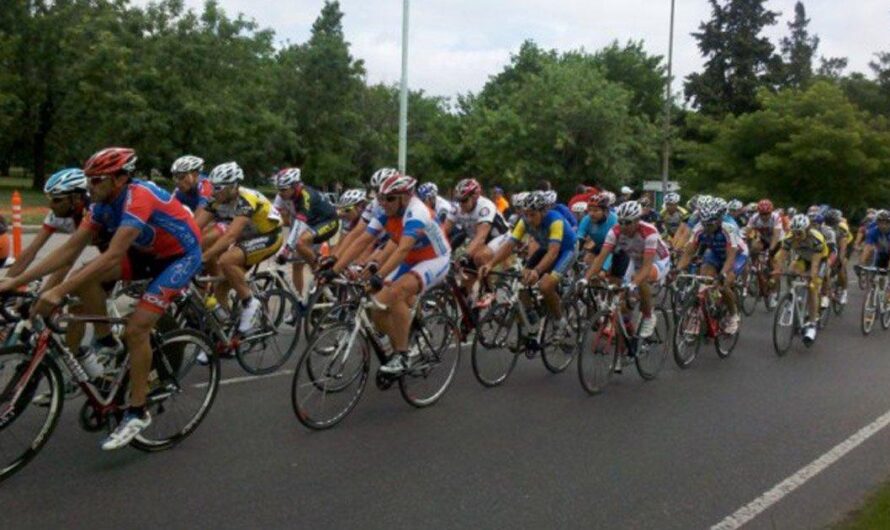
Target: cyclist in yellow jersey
column 835, row 220
column 254, row 234
column 808, row 253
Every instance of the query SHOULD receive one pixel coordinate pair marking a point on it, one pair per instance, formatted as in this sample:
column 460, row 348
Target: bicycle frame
column 705, row 301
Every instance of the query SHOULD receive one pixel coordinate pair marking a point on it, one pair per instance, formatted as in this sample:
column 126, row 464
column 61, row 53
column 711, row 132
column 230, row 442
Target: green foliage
column 803, row 147
column 798, row 51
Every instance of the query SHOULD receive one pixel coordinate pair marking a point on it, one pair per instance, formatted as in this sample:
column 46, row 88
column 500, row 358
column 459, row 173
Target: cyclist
column 672, row 214
column 817, row 221
column 867, row 223
column 684, row 232
column 429, row 194
column 765, row 229
column 738, row 212
column 420, row 261
column 152, row 236
column 254, row 234
column 594, row 228
column 649, row 214
column 876, row 249
column 485, row 228
column 724, row 255
column 648, row 258
column 192, row 187
column 561, row 208
column 312, row 218
column 358, row 235
column 579, row 210
column 835, row 219
column 807, row 250
column 553, row 258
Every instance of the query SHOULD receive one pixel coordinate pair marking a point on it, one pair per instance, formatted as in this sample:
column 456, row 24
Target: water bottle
column 385, row 343
column 212, row 305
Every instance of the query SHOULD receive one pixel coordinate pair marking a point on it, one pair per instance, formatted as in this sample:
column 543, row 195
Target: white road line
column 247, row 378
column 780, row 490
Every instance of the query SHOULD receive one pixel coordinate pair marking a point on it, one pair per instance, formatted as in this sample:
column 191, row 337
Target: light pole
column 403, row 93
column 666, row 151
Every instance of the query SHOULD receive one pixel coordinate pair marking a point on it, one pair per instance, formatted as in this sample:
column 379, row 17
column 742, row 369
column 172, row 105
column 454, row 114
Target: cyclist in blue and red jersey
column 877, row 242
column 151, row 236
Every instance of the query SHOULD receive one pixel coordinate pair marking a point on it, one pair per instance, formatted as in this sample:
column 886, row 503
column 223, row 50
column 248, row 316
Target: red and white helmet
column 111, row 161
column 467, row 188
column 765, row 206
column 397, row 183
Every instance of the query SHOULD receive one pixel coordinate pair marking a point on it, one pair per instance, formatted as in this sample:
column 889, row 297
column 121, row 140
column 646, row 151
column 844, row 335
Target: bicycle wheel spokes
column 598, row 353
column 330, row 377
column 687, row 337
column 277, row 337
column 438, row 341
column 869, row 310
column 652, row 352
column 26, row 427
column 181, row 390
column 783, row 325
column 495, row 347
column 558, row 356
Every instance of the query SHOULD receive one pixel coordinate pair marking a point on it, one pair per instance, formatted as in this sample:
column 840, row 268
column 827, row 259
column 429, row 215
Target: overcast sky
column 456, row 44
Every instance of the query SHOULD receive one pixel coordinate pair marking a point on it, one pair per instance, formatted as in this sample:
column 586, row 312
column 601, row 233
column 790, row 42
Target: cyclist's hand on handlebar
column 7, row 285
column 326, row 275
column 46, row 303
column 326, row 262
column 375, row 283
column 484, row 270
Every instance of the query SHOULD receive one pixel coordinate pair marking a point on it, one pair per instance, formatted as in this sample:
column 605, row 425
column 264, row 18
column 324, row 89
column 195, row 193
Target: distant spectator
column 500, row 202
column 583, row 193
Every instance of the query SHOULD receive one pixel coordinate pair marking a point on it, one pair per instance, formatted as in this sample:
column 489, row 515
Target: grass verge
column 875, row 513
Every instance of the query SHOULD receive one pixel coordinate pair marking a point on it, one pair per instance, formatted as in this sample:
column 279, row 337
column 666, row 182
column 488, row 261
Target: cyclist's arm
column 236, row 227
column 681, row 235
column 778, row 260
column 28, row 255
column 482, row 231
column 107, row 261
column 867, row 251
column 347, row 240
column 447, row 225
column 203, row 217
column 382, row 254
column 688, row 252
column 349, row 254
column 61, row 257
column 731, row 254
column 396, row 257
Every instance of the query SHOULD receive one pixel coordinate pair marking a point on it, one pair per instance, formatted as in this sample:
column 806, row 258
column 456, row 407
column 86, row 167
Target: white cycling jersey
column 484, row 212
column 64, row 225
column 444, row 209
column 764, row 224
column 645, row 241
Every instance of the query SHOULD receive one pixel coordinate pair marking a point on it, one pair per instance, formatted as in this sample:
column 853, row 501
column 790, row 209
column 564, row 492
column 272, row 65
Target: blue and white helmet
column 672, row 198
column 187, row 164
column 427, row 191
column 226, row 174
column 69, row 180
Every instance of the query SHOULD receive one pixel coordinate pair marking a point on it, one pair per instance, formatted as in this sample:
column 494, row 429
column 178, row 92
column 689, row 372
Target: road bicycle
column 181, row 391
column 875, row 304
column 332, row 373
column 701, row 320
column 792, row 313
column 610, row 341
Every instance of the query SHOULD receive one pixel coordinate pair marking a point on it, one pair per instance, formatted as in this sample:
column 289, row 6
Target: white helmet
column 226, row 174
column 351, row 198
column 611, row 196
column 626, row 190
column 735, row 204
column 537, row 200
column 629, row 211
column 550, row 197
column 672, row 198
column 519, row 199
column 187, row 164
column 66, row 181
column 380, row 175
column 397, row 183
column 579, row 207
column 800, row 222
column 287, row 177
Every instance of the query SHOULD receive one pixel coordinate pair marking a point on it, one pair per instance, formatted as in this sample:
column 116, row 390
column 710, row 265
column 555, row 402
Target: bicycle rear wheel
column 652, row 351
column 267, row 350
column 783, row 325
column 438, row 340
column 687, row 337
column 330, row 377
column 26, row 427
column 558, row 357
column 181, row 390
column 598, row 353
column 749, row 293
column 495, row 347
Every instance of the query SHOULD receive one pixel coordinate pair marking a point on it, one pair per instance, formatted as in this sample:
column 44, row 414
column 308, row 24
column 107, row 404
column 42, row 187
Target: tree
column 643, row 75
column 802, row 147
column 798, row 51
column 738, row 58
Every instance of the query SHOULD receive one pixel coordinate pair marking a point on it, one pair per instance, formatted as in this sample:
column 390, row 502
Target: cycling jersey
column 372, row 210
column 588, row 228
column 483, row 212
column 566, row 214
column 264, row 217
column 644, row 242
column 765, row 224
column 65, row 225
column 166, row 228
column 309, row 206
column 673, row 220
column 417, row 221
column 197, row 197
column 807, row 248
column 844, row 233
column 830, row 236
column 444, row 209
column 553, row 229
column 878, row 239
column 715, row 246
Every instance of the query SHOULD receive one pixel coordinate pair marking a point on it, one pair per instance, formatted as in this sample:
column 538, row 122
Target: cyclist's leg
column 550, row 282
column 93, row 298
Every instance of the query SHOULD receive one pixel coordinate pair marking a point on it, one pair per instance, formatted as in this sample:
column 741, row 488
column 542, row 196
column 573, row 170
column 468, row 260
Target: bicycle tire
column 869, row 312
column 303, row 393
column 558, row 357
column 47, row 370
column 251, row 354
column 594, row 355
column 173, row 365
column 652, row 351
column 748, row 302
column 780, row 347
column 423, row 387
column 724, row 343
column 687, row 322
column 504, row 321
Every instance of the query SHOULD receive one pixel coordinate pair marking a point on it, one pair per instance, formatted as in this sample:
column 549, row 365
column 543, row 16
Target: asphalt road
column 683, row 451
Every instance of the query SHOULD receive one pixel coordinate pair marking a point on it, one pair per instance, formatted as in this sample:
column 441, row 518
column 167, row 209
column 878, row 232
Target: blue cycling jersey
column 596, row 231
column 553, row 229
column 880, row 240
column 566, row 213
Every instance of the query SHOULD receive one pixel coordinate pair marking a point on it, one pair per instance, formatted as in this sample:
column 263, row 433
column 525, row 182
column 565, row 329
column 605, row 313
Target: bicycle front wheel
column 869, row 311
column 687, row 337
column 652, row 351
column 783, row 325
column 558, row 356
column 330, row 377
column 598, row 353
column 268, row 349
column 495, row 347
column 438, row 340
column 25, row 426
column 181, row 390
column 748, row 294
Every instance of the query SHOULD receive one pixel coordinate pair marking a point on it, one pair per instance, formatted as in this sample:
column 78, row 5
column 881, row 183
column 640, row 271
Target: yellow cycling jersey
column 813, row 244
column 843, row 232
column 264, row 218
